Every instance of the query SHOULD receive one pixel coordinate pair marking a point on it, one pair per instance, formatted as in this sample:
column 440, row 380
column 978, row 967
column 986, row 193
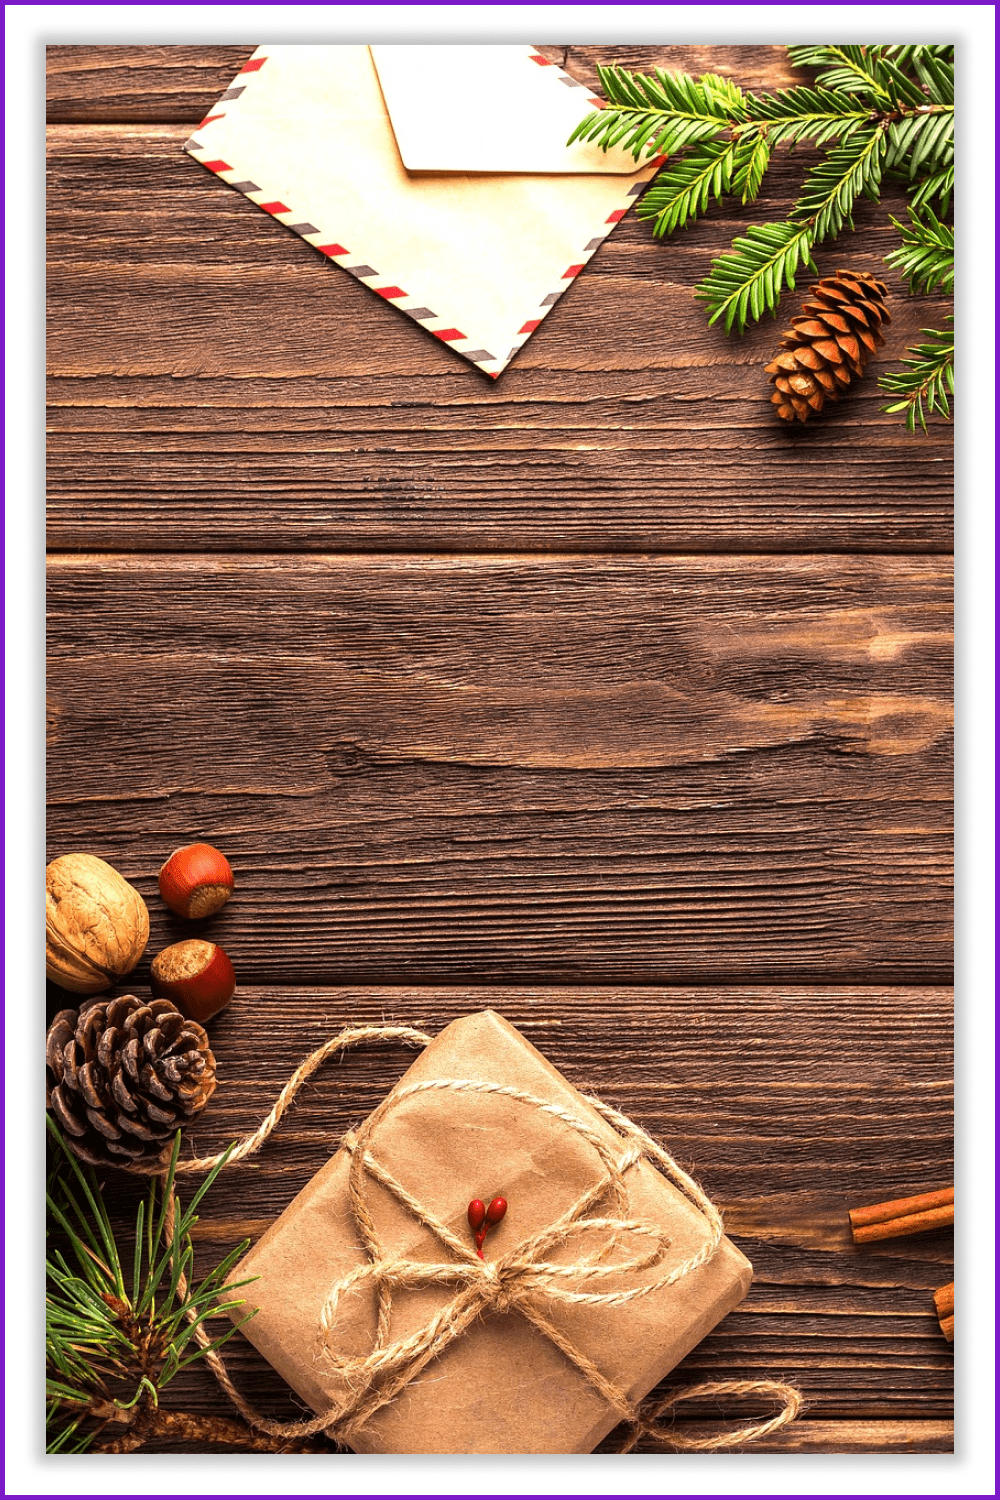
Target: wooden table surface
column 592, row 694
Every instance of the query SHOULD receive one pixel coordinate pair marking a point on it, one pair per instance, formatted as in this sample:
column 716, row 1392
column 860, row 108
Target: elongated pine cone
column 828, row 343
column 124, row 1075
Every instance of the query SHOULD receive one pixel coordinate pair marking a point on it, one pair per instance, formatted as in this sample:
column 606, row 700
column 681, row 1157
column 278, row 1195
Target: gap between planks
column 63, row 556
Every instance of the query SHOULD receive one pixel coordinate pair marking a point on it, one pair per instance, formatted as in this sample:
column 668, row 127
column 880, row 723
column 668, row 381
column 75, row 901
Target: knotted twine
column 521, row 1281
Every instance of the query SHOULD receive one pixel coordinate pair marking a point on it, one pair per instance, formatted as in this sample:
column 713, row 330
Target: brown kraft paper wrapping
column 503, row 1387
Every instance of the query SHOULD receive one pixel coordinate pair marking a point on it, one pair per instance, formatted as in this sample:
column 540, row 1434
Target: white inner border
column 969, row 1471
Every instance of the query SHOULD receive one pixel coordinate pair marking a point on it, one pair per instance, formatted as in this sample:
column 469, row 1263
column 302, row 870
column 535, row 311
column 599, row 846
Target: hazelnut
column 196, row 881
column 197, row 976
column 96, row 924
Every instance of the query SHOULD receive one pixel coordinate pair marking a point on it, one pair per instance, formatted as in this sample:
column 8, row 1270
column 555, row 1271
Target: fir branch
column 750, row 278
column 924, row 138
column 804, row 113
column 876, row 108
column 666, row 112
column 926, row 257
column 935, row 67
column 901, row 88
column 912, row 54
column 926, row 382
column 682, row 190
column 846, row 69
column 868, row 71
column 939, row 185
column 660, row 114
column 832, row 187
column 753, row 158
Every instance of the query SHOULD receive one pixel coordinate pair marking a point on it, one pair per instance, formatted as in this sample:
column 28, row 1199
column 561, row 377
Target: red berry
column 477, row 1213
column 496, row 1210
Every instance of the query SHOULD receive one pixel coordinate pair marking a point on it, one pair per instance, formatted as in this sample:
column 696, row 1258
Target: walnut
column 96, row 924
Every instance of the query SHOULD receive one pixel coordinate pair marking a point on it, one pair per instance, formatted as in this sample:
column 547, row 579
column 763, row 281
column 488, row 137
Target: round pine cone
column 123, row 1076
column 828, row 344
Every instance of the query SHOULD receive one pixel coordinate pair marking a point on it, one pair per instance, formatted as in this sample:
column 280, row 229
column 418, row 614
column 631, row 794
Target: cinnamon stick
column 944, row 1300
column 944, row 1306
column 903, row 1216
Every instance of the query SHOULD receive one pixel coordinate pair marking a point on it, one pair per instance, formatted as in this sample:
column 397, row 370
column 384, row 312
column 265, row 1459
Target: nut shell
column 196, row 881
column 197, row 976
column 96, row 924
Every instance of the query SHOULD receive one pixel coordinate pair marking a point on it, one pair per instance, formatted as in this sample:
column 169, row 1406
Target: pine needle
column 875, row 110
column 927, row 381
column 927, row 255
column 103, row 1342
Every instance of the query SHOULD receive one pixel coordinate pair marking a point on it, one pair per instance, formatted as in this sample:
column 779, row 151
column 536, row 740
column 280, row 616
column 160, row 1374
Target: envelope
column 509, row 109
column 439, row 177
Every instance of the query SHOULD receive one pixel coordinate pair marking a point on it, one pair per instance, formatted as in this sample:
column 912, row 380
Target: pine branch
column 832, row 187
column 749, row 280
column 111, row 1348
column 682, row 191
column 926, row 257
column 660, row 114
column 188, row 1427
column 927, row 381
column 877, row 109
column 939, row 185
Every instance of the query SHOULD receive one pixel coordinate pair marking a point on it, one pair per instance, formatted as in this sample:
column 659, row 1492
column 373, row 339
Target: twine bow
column 522, row 1281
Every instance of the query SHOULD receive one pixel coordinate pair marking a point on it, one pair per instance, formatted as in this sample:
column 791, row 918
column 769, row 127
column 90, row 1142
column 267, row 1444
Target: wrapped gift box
column 502, row 1386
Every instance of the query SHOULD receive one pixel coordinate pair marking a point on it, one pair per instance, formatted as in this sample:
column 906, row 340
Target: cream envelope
column 478, row 258
column 543, row 105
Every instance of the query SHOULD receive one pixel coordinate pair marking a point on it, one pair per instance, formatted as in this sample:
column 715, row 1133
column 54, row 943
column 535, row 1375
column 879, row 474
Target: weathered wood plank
column 172, row 83
column 808, row 1436
column 647, row 770
column 718, row 1075
column 217, row 385
column 145, row 82
column 469, row 770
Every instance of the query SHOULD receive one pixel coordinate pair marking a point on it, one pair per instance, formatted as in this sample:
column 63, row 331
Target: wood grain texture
column 783, row 1145
column 468, row 769
column 712, row 792
column 133, row 83
column 216, row 384
column 171, row 83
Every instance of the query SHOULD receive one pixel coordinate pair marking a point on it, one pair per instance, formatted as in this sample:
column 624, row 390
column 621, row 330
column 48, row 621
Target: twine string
column 523, row 1280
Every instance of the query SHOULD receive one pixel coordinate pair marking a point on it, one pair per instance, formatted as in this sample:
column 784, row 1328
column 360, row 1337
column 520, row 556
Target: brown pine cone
column 828, row 344
column 123, row 1076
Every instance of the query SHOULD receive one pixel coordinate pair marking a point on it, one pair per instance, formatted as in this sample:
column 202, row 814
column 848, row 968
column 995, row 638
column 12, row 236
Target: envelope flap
column 478, row 259
column 486, row 109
